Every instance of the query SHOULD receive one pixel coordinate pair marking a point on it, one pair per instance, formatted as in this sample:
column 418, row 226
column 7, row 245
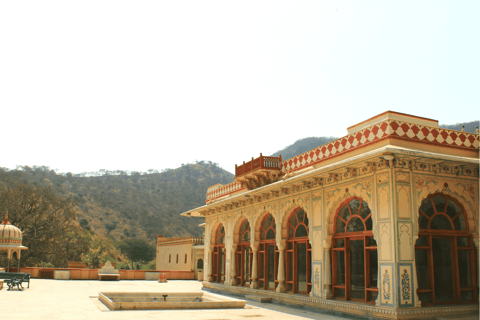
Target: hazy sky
column 134, row 85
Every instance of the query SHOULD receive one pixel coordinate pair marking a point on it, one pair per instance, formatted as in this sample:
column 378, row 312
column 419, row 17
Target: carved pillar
column 233, row 269
column 254, row 284
column 18, row 257
column 476, row 243
column 327, row 287
column 9, row 256
column 281, row 267
column 210, row 264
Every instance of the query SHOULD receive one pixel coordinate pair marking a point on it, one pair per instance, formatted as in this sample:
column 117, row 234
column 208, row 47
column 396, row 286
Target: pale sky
column 138, row 85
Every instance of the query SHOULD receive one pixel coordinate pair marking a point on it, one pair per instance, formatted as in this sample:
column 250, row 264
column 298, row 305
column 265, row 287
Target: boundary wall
column 92, row 274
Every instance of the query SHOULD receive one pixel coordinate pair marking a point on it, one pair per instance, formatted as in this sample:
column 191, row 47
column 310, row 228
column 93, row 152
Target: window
column 267, row 254
column 298, row 257
column 354, row 253
column 169, row 258
column 177, row 258
column 444, row 253
column 200, row 264
column 185, row 258
column 244, row 255
column 219, row 255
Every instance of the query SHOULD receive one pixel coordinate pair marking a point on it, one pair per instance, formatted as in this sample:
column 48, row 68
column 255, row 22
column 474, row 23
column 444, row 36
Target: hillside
column 469, row 126
column 301, row 146
column 139, row 205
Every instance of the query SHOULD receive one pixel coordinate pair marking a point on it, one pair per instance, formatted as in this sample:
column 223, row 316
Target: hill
column 136, row 205
column 469, row 126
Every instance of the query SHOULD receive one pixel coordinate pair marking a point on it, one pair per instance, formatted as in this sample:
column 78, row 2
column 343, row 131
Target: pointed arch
column 243, row 252
column 218, row 254
column 445, row 257
column 298, row 252
column 354, row 252
column 268, row 253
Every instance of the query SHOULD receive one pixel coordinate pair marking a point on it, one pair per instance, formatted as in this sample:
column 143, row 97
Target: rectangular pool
column 167, row 300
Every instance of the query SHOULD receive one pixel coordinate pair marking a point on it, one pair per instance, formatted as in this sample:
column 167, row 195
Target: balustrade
column 258, row 163
column 224, row 190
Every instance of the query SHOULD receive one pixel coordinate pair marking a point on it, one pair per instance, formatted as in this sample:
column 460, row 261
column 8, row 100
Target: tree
column 138, row 250
column 100, row 249
column 47, row 223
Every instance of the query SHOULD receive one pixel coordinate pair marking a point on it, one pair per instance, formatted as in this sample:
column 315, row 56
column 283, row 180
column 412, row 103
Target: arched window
column 354, row 253
column 244, row 255
column 219, row 255
column 200, row 264
column 267, row 254
column 444, row 253
column 298, row 266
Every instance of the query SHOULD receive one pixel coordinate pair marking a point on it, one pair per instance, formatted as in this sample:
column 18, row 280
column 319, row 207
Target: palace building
column 382, row 222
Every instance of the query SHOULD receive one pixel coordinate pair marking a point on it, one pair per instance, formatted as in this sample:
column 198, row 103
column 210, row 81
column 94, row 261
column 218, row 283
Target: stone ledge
column 345, row 308
column 261, row 299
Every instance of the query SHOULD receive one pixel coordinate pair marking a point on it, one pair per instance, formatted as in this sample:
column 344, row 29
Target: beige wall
column 167, row 257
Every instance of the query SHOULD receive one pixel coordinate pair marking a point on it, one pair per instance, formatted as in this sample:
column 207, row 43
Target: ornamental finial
column 6, row 218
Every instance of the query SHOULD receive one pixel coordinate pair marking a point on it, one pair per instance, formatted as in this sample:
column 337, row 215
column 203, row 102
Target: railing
column 197, row 240
column 258, row 163
column 224, row 190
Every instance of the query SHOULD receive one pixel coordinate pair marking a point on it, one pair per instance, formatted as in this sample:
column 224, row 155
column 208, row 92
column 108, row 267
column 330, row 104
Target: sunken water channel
column 167, row 300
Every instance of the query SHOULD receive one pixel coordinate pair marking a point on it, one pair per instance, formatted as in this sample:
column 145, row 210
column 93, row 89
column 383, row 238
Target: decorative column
column 254, row 284
column 281, row 267
column 9, row 256
column 233, row 269
column 210, row 265
column 18, row 257
column 476, row 243
column 327, row 287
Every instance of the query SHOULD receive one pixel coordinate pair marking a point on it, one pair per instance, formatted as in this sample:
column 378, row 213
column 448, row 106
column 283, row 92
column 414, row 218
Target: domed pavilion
column 11, row 241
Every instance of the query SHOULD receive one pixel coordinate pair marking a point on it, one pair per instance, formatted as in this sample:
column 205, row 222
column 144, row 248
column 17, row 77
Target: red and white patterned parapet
column 379, row 131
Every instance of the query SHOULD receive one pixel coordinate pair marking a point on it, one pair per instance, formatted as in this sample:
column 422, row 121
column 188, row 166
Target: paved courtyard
column 76, row 299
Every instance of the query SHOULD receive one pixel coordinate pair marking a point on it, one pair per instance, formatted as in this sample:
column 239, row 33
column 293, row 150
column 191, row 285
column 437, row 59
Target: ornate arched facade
column 343, row 223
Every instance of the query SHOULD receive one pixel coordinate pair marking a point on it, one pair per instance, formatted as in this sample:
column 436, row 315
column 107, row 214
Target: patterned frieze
column 429, row 165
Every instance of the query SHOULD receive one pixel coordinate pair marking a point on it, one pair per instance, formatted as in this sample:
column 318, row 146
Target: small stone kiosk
column 108, row 272
column 11, row 241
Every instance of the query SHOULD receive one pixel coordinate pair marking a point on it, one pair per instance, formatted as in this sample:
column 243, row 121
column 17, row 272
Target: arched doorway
column 219, row 255
column 244, row 255
column 445, row 257
column 267, row 254
column 354, row 253
column 299, row 252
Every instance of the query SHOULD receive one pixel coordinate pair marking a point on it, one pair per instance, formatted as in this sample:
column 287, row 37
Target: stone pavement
column 78, row 300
